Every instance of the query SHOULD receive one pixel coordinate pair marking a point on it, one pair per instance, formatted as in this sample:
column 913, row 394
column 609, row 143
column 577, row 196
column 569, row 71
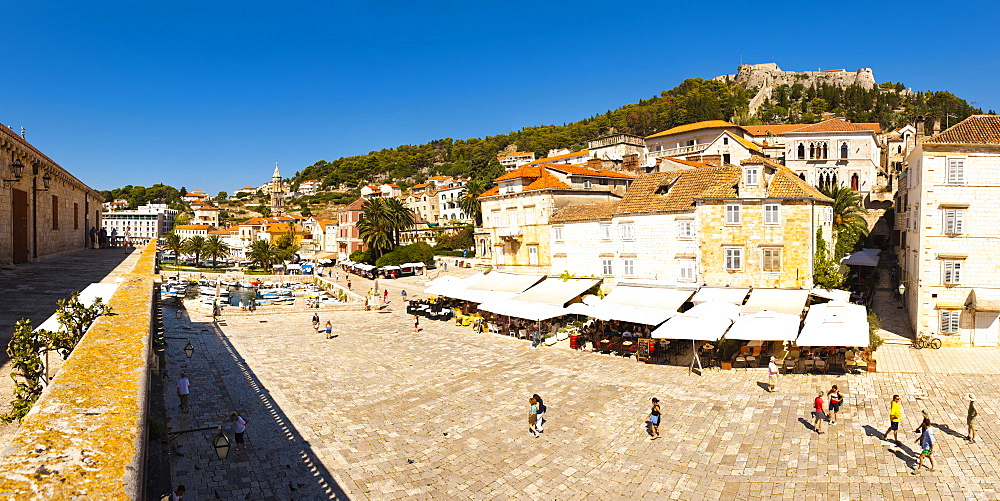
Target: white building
column 147, row 221
column 448, row 197
column 189, row 230
column 947, row 213
column 206, row 214
column 384, row 191
column 691, row 140
column 513, row 160
column 836, row 152
column 309, row 187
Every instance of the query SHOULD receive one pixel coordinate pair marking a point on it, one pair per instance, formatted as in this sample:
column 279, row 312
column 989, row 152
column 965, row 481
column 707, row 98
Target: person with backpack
column 654, row 420
column 926, row 441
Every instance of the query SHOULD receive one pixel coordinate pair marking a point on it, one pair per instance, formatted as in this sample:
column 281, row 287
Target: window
column 557, row 232
column 685, row 270
column 55, row 212
column 629, row 267
column 949, row 320
column 511, row 218
column 587, row 184
column 626, row 230
column 751, row 176
column 732, row 214
column 955, row 171
column 727, row 158
column 772, row 214
column 529, row 215
column 952, row 272
column 496, row 219
column 843, row 151
column 685, row 229
column 500, row 255
column 725, row 140
column 76, row 216
column 734, row 258
column 605, row 232
column 954, row 221
column 772, row 259
column 606, row 266
column 533, row 255
column 802, row 151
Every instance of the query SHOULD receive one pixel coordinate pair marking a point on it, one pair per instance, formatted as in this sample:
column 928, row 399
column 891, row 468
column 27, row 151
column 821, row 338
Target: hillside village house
column 385, row 191
column 946, row 212
column 116, row 204
column 752, row 225
column 448, row 197
column 189, row 230
column 515, row 159
column 206, row 214
column 195, row 196
column 687, row 141
column 563, row 156
column 516, row 212
column 348, row 237
column 249, row 190
column 43, row 208
column 309, row 187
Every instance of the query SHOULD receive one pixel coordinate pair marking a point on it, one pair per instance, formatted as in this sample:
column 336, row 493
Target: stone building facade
column 38, row 220
column 946, row 206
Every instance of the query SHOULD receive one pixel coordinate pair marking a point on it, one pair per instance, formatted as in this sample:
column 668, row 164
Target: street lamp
column 189, row 349
column 221, row 444
column 17, row 168
column 901, row 289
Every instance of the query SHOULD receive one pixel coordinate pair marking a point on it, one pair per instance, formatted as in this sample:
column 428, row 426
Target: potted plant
column 874, row 341
column 727, row 350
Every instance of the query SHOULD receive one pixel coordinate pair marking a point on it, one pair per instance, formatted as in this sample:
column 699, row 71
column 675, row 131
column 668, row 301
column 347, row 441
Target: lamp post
column 16, row 168
column 220, row 443
column 189, row 349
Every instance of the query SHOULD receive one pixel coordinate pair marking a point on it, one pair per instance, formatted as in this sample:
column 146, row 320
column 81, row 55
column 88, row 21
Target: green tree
column 195, row 245
column 261, row 254
column 27, row 369
column 826, row 271
column 400, row 218
column 181, row 219
column 175, row 244
column 215, row 248
column 285, row 248
column 849, row 223
column 222, row 196
column 469, row 199
column 265, row 210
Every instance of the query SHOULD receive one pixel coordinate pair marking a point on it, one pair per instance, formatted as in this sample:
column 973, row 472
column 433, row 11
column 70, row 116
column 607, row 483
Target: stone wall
column 57, row 219
column 753, row 76
column 85, row 437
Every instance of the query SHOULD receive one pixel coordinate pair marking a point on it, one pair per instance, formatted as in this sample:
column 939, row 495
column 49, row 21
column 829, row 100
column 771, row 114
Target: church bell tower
column 277, row 194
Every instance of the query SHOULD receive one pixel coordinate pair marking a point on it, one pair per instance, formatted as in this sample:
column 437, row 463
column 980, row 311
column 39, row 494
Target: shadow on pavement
column 225, row 383
column 947, row 429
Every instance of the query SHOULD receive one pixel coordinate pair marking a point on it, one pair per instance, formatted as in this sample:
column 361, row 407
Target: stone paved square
column 380, row 412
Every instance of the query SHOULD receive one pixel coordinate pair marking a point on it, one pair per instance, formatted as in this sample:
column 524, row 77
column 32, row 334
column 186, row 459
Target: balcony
column 509, row 232
column 683, row 150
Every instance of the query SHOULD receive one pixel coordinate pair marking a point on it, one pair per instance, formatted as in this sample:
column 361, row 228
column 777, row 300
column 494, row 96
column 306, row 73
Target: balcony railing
column 509, row 231
column 683, row 150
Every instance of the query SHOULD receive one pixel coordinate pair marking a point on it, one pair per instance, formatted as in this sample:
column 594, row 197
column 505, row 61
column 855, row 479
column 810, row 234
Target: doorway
column 19, row 210
column 987, row 328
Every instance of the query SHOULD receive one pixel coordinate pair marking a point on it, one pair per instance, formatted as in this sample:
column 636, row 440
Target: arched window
column 833, row 180
column 854, row 182
column 843, row 151
column 812, row 150
column 826, row 151
column 802, row 151
column 802, row 176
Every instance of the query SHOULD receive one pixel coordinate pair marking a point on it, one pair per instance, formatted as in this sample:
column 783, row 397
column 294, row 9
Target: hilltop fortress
column 769, row 74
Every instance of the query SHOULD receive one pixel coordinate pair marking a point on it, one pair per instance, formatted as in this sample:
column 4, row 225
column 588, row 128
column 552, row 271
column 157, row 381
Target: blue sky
column 208, row 95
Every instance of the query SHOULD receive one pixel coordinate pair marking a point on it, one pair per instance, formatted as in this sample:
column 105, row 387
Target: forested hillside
column 692, row 101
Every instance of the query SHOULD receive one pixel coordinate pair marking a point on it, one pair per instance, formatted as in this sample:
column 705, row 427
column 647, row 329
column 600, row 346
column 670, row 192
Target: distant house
column 195, row 196
column 249, row 190
column 190, row 230
column 348, row 237
column 206, row 214
column 513, row 160
column 309, row 187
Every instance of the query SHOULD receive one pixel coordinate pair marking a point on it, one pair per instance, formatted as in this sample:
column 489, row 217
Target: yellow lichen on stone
column 84, row 437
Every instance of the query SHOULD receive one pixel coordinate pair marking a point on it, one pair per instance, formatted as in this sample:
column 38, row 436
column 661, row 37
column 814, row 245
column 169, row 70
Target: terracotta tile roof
column 251, row 188
column 584, row 212
column 438, row 178
column 355, row 205
column 219, row 232
column 748, row 144
column 684, row 186
column 785, row 183
column 560, row 157
column 547, row 181
column 524, row 171
column 698, row 165
column 832, row 125
column 977, row 129
column 253, row 221
column 490, row 192
column 516, row 154
column 278, row 227
column 583, row 170
column 708, row 124
column 392, row 185
column 192, row 227
column 421, row 185
column 195, row 194
column 207, row 207
column 780, row 129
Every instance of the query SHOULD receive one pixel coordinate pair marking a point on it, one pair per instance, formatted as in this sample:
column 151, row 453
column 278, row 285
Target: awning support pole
column 696, row 358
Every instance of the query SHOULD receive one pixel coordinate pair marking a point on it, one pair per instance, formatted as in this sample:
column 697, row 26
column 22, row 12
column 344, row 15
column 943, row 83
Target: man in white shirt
column 184, row 392
column 239, row 427
column 772, row 375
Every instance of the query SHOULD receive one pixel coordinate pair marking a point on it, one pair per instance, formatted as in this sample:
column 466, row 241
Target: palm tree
column 261, row 253
column 195, row 245
column 176, row 245
column 849, row 223
column 374, row 227
column 468, row 200
column 215, row 248
column 400, row 217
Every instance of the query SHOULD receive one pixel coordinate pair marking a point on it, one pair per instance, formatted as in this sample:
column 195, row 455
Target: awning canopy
column 985, row 299
column 790, row 301
column 555, row 291
column 835, row 324
column 864, row 257
column 648, row 297
column 414, row 265
column 324, row 255
column 832, row 294
column 448, row 285
column 390, row 268
column 705, row 322
column 735, row 295
column 523, row 309
column 765, row 326
column 506, row 282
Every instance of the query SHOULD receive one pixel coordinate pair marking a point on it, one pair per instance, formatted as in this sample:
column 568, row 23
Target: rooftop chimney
column 920, row 126
column 937, row 127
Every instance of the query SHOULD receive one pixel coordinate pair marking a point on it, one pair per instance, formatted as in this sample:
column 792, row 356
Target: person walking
column 971, row 419
column 416, row 324
column 533, row 416
column 836, row 398
column 102, row 239
column 385, row 296
column 540, row 418
column 114, row 236
column 184, row 392
column 93, row 237
column 403, row 294
column 819, row 415
column 315, row 322
column 178, row 494
column 895, row 415
column 772, row 376
column 239, row 428
column 338, row 276
column 654, row 420
column 349, row 285
column 329, row 330
column 127, row 238
column 926, row 441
